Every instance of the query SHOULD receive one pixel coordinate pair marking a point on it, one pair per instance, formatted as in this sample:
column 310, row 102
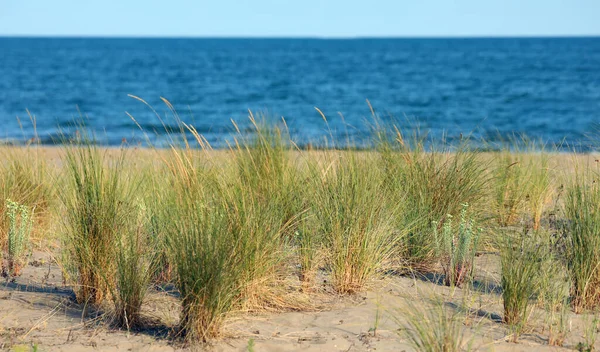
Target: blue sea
column 548, row 88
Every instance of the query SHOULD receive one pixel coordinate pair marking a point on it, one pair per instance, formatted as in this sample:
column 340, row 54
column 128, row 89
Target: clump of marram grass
column 582, row 230
column 225, row 239
column 309, row 247
column 20, row 222
column 351, row 214
column 267, row 179
column 97, row 203
column 437, row 328
column 521, row 265
column 539, row 188
column 221, row 244
column 259, row 225
column 522, row 182
column 456, row 246
column 266, row 169
column 135, row 259
column 204, row 252
column 554, row 298
column 511, row 179
column 432, row 182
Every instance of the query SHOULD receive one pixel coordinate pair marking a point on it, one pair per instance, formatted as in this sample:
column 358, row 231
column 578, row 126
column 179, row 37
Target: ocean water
column 548, row 88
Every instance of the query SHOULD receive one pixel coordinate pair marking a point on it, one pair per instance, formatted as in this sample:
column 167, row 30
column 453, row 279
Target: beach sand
column 38, row 309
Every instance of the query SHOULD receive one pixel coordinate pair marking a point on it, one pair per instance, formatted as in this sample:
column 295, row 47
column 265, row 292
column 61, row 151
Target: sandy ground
column 37, row 309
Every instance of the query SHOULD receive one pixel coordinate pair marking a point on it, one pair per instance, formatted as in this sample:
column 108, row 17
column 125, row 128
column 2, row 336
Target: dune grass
column 433, row 182
column 582, row 228
column 227, row 228
column 511, row 177
column 98, row 210
column 268, row 182
column 352, row 216
column 555, row 284
column 136, row 263
column 521, row 261
column 252, row 227
column 433, row 326
column 523, row 183
column 540, row 188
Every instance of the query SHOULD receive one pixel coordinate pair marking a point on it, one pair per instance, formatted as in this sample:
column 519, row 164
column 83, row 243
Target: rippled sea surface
column 548, row 88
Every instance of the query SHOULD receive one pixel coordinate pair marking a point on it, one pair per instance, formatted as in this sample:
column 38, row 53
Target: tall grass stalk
column 352, row 216
column 511, row 180
column 434, row 327
column 540, row 188
column 554, row 288
column 267, row 181
column 135, row 259
column 582, row 213
column 521, row 261
column 97, row 207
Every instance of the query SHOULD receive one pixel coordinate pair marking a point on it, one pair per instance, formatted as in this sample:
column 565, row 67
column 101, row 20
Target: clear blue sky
column 320, row 18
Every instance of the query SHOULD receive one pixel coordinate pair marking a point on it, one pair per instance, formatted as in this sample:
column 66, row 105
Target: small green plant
column 456, row 246
column 521, row 261
column 377, row 319
column 25, row 348
column 251, row 345
column 434, row 329
column 558, row 323
column 20, row 219
column 590, row 333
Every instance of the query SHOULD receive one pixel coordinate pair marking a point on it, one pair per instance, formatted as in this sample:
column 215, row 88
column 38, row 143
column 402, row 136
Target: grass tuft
column 436, row 328
column 351, row 214
column 582, row 228
column 432, row 182
column 521, row 261
column 97, row 206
